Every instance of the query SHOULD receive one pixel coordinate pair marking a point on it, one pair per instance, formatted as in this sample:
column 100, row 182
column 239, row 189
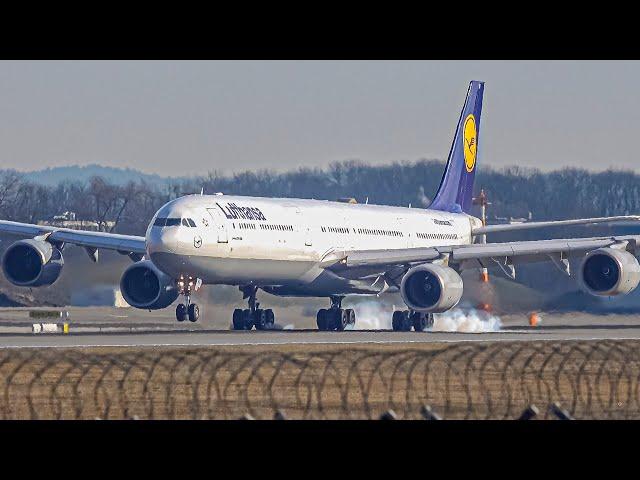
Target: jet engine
column 143, row 285
column 32, row 263
column 609, row 272
column 431, row 288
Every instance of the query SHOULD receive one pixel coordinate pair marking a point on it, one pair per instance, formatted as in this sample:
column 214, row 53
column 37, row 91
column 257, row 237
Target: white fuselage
column 281, row 243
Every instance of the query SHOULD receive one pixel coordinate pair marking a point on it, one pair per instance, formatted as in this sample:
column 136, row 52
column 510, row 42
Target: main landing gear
column 188, row 310
column 403, row 320
column 335, row 318
column 254, row 315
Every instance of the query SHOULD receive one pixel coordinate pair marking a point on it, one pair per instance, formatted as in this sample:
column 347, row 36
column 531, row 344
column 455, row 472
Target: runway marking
column 320, row 342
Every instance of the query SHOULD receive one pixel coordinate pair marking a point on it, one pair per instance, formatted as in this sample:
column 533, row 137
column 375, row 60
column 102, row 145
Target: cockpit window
column 173, row 222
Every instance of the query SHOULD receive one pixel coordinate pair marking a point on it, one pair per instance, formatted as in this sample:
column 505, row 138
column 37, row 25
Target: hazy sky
column 190, row 117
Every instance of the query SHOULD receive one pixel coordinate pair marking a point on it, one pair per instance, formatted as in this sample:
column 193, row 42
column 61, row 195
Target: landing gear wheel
column 247, row 319
column 321, row 319
column 420, row 321
column 260, row 319
column 186, row 285
column 335, row 318
column 341, row 319
column 270, row 318
column 407, row 321
column 351, row 315
column 332, row 320
column 181, row 312
column 396, row 321
column 254, row 315
column 194, row 312
column 401, row 321
column 238, row 319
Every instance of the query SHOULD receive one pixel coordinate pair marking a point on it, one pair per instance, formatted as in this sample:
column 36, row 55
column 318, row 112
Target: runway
column 104, row 327
column 225, row 338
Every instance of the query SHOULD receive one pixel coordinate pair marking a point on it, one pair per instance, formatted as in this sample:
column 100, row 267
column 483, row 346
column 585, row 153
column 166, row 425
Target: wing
column 358, row 264
column 511, row 227
column 92, row 241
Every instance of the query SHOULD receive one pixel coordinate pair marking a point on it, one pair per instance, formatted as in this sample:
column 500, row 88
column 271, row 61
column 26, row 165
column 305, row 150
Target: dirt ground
column 474, row 380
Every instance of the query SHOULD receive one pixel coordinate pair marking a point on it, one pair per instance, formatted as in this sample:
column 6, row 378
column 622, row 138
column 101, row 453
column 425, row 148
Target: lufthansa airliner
column 316, row 248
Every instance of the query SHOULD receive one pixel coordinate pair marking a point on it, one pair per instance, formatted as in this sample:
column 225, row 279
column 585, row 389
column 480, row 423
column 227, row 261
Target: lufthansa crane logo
column 197, row 241
column 470, row 142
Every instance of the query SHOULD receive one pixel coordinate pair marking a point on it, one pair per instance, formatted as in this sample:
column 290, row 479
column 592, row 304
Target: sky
column 186, row 118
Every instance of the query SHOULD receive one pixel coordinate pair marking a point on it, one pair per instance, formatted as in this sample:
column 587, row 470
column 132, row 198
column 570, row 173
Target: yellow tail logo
column 470, row 143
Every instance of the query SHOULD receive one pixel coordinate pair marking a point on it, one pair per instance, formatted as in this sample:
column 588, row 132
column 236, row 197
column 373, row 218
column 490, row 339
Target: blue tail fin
column 456, row 188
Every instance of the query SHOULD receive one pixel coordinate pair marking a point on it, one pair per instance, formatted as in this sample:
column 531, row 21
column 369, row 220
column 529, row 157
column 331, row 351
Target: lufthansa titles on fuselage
column 442, row 222
column 234, row 212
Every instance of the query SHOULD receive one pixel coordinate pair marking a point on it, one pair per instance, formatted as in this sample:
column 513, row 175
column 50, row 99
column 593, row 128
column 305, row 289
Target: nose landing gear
column 254, row 315
column 335, row 318
column 188, row 310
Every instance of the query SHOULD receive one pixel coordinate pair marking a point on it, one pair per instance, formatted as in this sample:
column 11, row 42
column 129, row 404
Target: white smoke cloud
column 377, row 316
column 465, row 320
column 373, row 316
column 422, row 198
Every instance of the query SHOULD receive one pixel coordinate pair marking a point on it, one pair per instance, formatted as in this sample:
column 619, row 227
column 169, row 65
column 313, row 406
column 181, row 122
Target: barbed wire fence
column 473, row 380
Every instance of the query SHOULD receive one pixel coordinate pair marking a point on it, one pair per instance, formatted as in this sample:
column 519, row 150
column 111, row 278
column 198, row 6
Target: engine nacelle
column 32, row 263
column 609, row 272
column 143, row 285
column 431, row 288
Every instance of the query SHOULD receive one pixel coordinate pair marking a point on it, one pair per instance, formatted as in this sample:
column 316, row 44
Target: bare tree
column 10, row 182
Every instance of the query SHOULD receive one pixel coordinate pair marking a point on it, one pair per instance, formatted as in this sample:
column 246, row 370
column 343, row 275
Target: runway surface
column 222, row 338
column 154, row 329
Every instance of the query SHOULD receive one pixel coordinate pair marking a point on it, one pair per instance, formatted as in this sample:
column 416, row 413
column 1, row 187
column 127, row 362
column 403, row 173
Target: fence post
column 559, row 412
column 428, row 414
column 530, row 412
column 389, row 415
column 279, row 415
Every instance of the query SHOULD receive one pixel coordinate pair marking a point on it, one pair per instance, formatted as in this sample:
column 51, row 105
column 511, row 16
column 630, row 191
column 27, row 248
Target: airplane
column 319, row 248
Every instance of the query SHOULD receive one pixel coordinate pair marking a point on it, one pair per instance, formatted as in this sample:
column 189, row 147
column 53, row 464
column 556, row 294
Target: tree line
column 513, row 191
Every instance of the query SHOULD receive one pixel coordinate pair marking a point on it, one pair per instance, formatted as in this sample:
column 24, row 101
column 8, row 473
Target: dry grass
column 468, row 380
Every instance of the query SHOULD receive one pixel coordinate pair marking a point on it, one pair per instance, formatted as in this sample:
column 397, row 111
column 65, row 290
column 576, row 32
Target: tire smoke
column 377, row 316
column 466, row 321
column 373, row 316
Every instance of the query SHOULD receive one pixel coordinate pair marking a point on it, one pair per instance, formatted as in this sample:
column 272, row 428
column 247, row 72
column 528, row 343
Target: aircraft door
column 308, row 240
column 408, row 237
column 220, row 224
column 304, row 228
